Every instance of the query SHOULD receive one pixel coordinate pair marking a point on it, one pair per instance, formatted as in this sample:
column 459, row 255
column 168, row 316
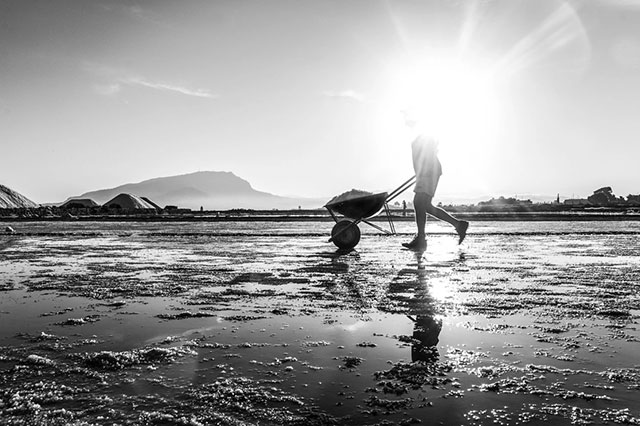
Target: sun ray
column 458, row 88
column 469, row 25
column 561, row 29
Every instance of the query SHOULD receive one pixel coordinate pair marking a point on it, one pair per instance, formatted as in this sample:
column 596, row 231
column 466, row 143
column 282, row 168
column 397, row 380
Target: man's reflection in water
column 426, row 332
column 423, row 311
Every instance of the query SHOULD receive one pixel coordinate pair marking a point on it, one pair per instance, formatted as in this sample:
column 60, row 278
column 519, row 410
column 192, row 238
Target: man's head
column 409, row 119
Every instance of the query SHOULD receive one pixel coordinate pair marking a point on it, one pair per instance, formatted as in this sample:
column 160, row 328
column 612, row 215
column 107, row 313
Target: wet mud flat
column 266, row 323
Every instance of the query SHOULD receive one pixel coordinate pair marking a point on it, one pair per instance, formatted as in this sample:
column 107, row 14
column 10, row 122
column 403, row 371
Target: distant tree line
column 605, row 197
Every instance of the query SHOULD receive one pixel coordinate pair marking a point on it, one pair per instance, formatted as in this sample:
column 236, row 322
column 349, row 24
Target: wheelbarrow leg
column 391, row 225
column 333, row 215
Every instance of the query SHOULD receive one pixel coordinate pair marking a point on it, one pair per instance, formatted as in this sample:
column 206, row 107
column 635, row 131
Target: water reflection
column 426, row 332
column 424, row 310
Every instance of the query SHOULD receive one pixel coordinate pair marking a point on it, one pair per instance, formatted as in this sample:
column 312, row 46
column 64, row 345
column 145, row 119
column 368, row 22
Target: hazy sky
column 303, row 97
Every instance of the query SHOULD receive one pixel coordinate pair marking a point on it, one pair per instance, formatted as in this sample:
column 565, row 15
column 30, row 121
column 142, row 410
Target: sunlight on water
column 537, row 313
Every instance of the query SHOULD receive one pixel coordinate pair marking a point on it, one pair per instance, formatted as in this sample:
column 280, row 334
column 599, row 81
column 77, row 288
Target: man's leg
column 439, row 213
column 420, row 202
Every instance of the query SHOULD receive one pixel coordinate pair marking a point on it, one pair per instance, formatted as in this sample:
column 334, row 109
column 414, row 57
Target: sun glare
column 458, row 93
column 451, row 100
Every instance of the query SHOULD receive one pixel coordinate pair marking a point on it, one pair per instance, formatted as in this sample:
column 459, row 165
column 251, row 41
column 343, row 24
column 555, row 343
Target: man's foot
column 417, row 244
column 462, row 230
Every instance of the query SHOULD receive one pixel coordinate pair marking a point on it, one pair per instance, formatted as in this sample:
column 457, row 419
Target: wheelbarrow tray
column 360, row 208
column 345, row 233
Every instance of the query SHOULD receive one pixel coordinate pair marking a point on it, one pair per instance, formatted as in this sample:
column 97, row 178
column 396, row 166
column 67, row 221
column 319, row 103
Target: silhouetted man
column 428, row 170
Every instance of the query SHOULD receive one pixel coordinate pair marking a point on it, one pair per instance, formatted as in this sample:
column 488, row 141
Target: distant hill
column 211, row 190
column 10, row 199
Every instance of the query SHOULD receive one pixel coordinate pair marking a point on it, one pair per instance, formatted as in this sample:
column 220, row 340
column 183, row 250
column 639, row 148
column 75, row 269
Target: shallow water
column 266, row 323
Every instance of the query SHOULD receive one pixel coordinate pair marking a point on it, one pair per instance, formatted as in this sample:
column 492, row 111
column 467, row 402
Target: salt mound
column 74, row 203
column 349, row 195
column 39, row 360
column 10, row 199
column 110, row 360
column 129, row 202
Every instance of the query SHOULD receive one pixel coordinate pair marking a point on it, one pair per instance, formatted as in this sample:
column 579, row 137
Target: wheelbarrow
column 345, row 233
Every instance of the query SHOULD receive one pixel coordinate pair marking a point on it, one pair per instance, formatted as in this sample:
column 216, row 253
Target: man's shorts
column 426, row 185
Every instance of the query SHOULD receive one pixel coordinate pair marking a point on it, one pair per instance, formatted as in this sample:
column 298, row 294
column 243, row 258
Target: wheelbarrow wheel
column 345, row 234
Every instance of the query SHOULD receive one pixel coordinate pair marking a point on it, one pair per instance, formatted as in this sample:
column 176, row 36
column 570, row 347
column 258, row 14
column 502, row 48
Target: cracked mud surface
column 266, row 323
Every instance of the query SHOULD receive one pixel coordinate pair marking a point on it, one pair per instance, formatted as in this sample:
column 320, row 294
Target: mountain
column 10, row 199
column 211, row 190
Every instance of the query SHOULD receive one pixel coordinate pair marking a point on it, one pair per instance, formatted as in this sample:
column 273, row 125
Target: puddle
column 247, row 323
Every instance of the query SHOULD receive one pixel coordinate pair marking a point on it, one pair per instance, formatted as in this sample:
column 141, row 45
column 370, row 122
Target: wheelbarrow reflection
column 346, row 233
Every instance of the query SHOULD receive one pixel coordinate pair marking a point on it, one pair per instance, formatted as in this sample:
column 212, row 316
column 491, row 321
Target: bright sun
column 452, row 100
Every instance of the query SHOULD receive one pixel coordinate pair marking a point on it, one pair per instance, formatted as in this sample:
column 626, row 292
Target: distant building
column 576, row 202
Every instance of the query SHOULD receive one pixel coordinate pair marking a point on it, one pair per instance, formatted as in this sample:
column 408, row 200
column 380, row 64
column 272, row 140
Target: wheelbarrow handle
column 399, row 190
